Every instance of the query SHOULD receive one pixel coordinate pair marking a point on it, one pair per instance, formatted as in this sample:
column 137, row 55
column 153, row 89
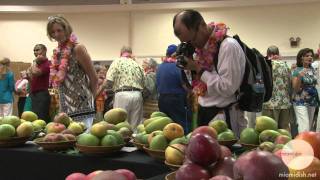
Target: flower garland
column 59, row 67
column 169, row 59
column 205, row 57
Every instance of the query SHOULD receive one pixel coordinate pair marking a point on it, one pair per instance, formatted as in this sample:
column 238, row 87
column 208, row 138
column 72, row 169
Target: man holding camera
column 219, row 63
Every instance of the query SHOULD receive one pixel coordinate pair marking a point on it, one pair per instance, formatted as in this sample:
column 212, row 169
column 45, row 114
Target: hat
column 171, row 49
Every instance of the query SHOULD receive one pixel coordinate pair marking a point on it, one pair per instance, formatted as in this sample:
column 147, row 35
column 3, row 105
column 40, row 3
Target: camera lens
column 181, row 62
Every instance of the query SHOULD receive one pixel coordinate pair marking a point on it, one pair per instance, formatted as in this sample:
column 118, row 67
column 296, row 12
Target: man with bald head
column 219, row 62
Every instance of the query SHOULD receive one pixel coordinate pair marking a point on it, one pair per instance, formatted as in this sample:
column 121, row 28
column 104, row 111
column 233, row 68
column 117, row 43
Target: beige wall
column 149, row 32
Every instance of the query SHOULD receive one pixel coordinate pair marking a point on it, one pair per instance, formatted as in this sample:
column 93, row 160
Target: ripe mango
column 158, row 124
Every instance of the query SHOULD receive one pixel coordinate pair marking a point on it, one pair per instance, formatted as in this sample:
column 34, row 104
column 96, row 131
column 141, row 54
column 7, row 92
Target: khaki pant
column 132, row 102
column 281, row 116
column 238, row 120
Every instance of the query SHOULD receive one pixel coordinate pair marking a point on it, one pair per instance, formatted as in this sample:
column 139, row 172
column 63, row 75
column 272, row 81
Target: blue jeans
column 176, row 107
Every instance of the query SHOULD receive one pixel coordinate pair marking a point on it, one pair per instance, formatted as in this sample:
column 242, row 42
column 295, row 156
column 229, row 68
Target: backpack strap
column 217, row 54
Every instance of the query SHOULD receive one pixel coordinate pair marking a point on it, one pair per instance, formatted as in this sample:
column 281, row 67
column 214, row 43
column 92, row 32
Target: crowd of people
column 85, row 92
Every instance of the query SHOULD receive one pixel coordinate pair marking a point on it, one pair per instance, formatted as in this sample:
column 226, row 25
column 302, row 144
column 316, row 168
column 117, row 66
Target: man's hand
column 40, row 58
column 192, row 65
column 35, row 71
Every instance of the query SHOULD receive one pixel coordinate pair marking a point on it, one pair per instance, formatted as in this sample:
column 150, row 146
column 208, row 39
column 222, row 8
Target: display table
column 28, row 162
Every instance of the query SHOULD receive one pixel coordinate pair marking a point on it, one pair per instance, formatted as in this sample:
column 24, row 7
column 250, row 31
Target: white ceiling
column 76, row 6
column 88, row 2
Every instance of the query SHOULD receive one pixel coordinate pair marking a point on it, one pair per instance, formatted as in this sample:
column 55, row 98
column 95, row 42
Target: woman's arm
column 85, row 62
column 296, row 82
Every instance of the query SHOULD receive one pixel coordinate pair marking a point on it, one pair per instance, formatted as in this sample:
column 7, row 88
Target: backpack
column 256, row 86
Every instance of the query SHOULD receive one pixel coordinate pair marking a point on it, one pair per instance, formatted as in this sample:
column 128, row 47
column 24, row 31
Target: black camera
column 184, row 50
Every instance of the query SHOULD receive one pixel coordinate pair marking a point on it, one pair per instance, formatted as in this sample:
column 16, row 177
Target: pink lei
column 59, row 67
column 205, row 57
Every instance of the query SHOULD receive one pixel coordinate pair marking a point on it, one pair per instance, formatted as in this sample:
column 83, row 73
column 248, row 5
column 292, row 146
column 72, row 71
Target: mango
column 124, row 124
column 117, row 135
column 158, row 124
column 158, row 114
column 249, row 136
column 115, row 116
column 219, row 125
column 265, row 123
column 140, row 128
column 148, row 121
column 109, row 140
column 139, row 137
column 267, row 146
column 268, row 135
column 12, row 120
column 29, row 116
column 6, row 131
column 25, row 129
column 159, row 142
column 87, row 139
column 99, row 130
column 285, row 132
column 226, row 136
column 180, row 140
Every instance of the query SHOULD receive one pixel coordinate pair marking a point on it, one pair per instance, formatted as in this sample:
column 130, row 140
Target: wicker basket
column 249, row 146
column 99, row 150
column 228, row 143
column 157, row 154
column 172, row 166
column 55, row 146
column 171, row 176
column 149, row 106
column 138, row 145
column 13, row 141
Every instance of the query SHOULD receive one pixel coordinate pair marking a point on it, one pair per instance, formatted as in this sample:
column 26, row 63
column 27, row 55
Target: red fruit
column 76, row 176
column 256, row 165
column 203, row 150
column 224, row 167
column 220, row 177
column 192, row 171
column 313, row 139
column 127, row 173
column 205, row 130
column 93, row 174
column 225, row 152
column 109, row 175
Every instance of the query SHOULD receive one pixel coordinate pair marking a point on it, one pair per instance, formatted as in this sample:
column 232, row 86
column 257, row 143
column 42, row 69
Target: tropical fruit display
column 223, row 133
column 100, row 134
column 265, row 135
column 204, row 157
column 63, row 123
column 13, row 126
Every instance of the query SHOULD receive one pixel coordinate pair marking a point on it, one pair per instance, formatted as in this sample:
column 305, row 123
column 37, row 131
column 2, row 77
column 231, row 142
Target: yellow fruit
column 175, row 154
column 172, row 131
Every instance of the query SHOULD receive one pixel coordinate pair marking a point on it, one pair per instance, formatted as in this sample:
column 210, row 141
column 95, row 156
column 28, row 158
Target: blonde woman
column 6, row 88
column 72, row 72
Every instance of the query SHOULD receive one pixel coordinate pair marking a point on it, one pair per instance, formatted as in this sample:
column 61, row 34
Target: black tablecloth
column 30, row 163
